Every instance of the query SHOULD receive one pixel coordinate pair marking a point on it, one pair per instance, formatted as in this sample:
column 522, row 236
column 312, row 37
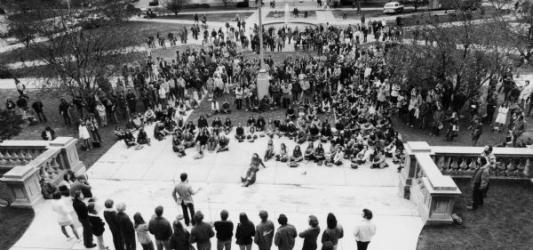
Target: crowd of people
column 74, row 204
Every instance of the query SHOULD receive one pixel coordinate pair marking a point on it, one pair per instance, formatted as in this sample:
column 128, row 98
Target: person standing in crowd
column 97, row 225
column 64, row 110
column 201, row 232
column 245, row 232
column 264, row 232
column 110, row 216
column 480, row 183
column 38, row 108
column 141, row 228
column 180, row 238
column 126, row 227
column 161, row 229
column 285, row 235
column 310, row 235
column 83, row 216
column 182, row 195
column 64, row 219
column 224, row 229
column 333, row 232
column 81, row 185
column 365, row 230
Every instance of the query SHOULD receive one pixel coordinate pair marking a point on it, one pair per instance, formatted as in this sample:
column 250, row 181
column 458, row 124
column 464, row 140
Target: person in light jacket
column 264, row 232
column 141, row 228
column 365, row 230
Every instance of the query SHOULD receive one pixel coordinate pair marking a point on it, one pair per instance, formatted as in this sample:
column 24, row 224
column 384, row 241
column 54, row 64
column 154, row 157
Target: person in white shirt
column 64, row 218
column 365, row 230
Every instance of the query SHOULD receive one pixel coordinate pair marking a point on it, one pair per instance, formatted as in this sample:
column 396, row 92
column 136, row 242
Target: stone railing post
column 409, row 170
column 23, row 183
column 70, row 153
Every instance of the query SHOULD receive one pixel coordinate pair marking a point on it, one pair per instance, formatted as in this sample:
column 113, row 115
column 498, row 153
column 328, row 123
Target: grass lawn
column 14, row 222
column 503, row 222
column 219, row 17
column 136, row 33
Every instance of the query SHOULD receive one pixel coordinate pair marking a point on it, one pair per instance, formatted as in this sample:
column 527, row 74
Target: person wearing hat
column 311, row 234
column 264, row 232
column 285, row 235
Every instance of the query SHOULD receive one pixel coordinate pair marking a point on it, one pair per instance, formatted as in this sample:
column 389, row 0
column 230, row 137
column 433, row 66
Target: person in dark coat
column 311, row 234
column 110, row 216
column 83, row 216
column 97, row 225
column 284, row 237
column 245, row 232
column 224, row 229
column 48, row 134
column 333, row 232
column 125, row 226
column 180, row 238
column 201, row 233
column 38, row 108
column 160, row 228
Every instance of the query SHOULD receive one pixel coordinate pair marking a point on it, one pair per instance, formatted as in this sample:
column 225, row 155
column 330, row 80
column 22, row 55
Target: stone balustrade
column 49, row 160
column 511, row 163
column 422, row 182
column 426, row 177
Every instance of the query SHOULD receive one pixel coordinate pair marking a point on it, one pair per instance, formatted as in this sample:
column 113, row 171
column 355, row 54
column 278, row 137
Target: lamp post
column 263, row 79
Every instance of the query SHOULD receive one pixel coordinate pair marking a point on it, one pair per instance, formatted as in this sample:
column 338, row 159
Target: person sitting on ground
column 212, row 142
column 283, row 156
column 269, row 153
column 223, row 143
column 251, row 173
column 188, row 139
column 251, row 137
column 216, row 125
column 119, row 132
column 251, row 121
column 338, row 156
column 226, row 108
column 296, row 156
column 325, row 133
column 149, row 115
column 379, row 160
column 360, row 157
column 202, row 122
column 228, row 126
column 290, row 114
column 313, row 132
column 201, row 141
column 170, row 124
column 137, row 121
column 239, row 133
column 178, row 146
column 159, row 131
column 291, row 130
column 190, row 127
column 308, row 156
column 129, row 139
column 318, row 155
column 142, row 137
column 48, row 134
column 260, row 123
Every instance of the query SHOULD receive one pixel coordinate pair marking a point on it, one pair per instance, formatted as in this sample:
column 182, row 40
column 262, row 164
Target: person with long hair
column 333, row 232
column 245, row 232
column 180, row 237
column 251, row 173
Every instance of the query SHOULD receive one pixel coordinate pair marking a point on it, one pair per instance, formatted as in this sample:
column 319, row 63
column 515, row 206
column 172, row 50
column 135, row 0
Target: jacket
column 310, row 236
column 110, row 217
column 180, row 240
column 264, row 234
column 224, row 230
column 201, row 233
column 284, row 238
column 333, row 235
column 245, row 232
column 160, row 228
column 480, row 179
column 125, row 227
column 81, row 209
column 97, row 224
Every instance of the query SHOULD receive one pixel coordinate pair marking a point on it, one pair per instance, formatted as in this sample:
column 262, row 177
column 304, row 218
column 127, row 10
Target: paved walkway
column 144, row 179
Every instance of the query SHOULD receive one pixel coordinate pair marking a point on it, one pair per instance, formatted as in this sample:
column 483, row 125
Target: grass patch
column 136, row 33
column 219, row 17
column 14, row 223
column 504, row 222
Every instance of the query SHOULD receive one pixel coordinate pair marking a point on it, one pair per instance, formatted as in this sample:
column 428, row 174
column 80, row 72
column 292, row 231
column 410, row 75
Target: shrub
column 10, row 124
column 243, row 4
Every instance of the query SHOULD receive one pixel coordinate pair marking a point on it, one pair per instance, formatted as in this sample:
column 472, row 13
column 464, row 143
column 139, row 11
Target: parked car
column 393, row 8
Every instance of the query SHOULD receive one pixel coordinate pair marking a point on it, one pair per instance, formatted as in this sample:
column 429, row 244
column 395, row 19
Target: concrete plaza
column 145, row 178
